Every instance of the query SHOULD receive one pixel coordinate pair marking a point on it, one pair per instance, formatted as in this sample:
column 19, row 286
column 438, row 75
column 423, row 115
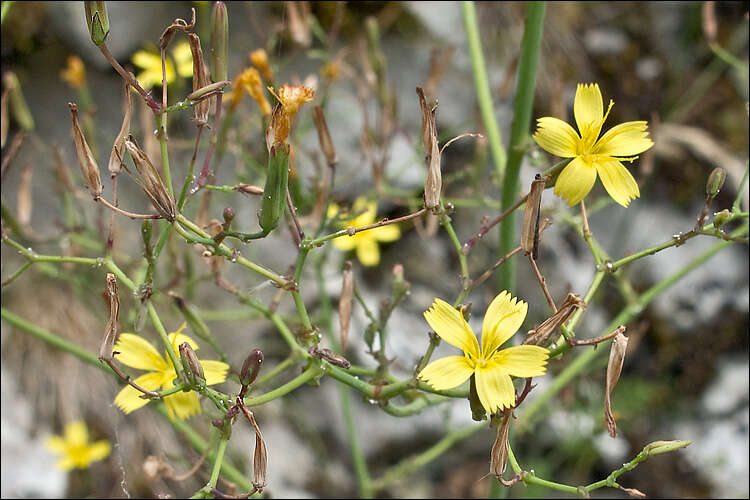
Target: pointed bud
column 251, row 367
column 151, row 182
column 274, row 192
column 324, row 136
column 191, row 365
column 97, row 21
column 260, row 59
column 228, row 215
column 118, row 148
column 219, row 42
column 345, row 303
column 614, row 367
column 110, row 333
column 530, row 226
column 248, row 188
column 89, row 168
column 721, row 218
column 715, row 182
column 659, row 447
column 634, row 493
column 541, row 334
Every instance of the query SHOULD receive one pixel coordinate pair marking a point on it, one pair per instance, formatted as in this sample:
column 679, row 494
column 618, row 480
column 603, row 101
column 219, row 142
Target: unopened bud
column 208, row 91
column 345, row 303
column 274, row 192
column 151, row 182
column 97, row 20
column 248, row 188
column 146, row 230
column 721, row 218
column 219, row 40
column 224, row 426
column 614, row 368
column 251, row 367
column 260, row 59
column 634, row 493
column 89, row 167
column 228, row 215
column 659, row 447
column 191, row 365
column 715, row 181
column 324, row 136
column 542, row 333
column 18, row 107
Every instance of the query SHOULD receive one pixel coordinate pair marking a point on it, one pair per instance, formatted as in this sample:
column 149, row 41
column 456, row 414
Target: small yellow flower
column 291, row 98
column 74, row 73
column 259, row 58
column 365, row 242
column 150, row 63
column 137, row 352
column 491, row 368
column 249, row 82
column 593, row 154
column 75, row 448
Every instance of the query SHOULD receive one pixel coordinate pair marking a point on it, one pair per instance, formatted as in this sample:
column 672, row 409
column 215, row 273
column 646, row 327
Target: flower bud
column 324, row 136
column 614, row 367
column 659, row 447
column 151, row 182
column 191, row 365
column 97, row 21
column 260, row 59
column 251, row 367
column 18, row 107
column 228, row 215
column 721, row 218
column 274, row 192
column 248, row 188
column 715, row 182
column 89, row 167
column 634, row 493
column 219, row 40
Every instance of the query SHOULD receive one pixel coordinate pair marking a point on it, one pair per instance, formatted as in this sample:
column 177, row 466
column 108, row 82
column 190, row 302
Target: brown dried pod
column 23, row 198
column 530, row 226
column 118, row 148
column 434, row 181
column 112, row 329
column 614, row 367
column 191, row 365
column 200, row 79
column 248, row 188
column 499, row 453
column 89, row 167
column 324, row 136
column 345, row 303
column 330, row 356
column 634, row 493
column 151, row 182
column 541, row 334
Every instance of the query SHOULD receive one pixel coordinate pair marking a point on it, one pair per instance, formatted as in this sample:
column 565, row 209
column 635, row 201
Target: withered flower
column 89, row 167
column 118, row 148
column 191, row 365
column 151, row 182
column 542, row 333
column 614, row 367
column 291, row 98
column 499, row 453
column 200, row 79
column 530, row 226
column 74, row 73
column 110, row 334
column 434, row 181
column 259, row 58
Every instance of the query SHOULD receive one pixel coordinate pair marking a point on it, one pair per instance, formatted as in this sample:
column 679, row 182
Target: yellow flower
column 593, row 154
column 249, row 82
column 137, row 352
column 260, row 59
column 365, row 242
column 75, row 447
column 74, row 73
column 491, row 368
column 150, row 63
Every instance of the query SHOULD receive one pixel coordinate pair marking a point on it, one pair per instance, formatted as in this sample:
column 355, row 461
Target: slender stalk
column 217, row 463
column 310, row 373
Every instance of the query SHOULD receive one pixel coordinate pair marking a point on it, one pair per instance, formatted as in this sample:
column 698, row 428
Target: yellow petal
column 65, row 463
column 129, row 400
column 447, row 373
column 56, row 443
column 214, row 371
column 182, row 405
column 556, row 136
column 177, row 338
column 76, row 433
column 333, row 210
column 183, row 56
column 345, row 243
column 137, row 352
column 523, row 360
column 390, row 232
column 625, row 139
column 451, row 326
column 494, row 388
column 368, row 216
column 99, row 450
column 588, row 107
column 618, row 181
column 575, row 181
column 151, row 65
column 368, row 252
column 502, row 320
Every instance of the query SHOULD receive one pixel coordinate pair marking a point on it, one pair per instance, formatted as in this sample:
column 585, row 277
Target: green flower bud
column 274, row 193
column 97, row 21
column 228, row 215
column 219, row 39
column 721, row 218
column 658, row 447
column 715, row 181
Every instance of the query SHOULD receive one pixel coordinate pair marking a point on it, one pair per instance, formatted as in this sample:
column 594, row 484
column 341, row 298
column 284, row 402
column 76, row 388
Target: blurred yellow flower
column 491, row 368
column 137, row 352
column 150, row 64
column 74, row 73
column 249, row 82
column 75, row 448
column 259, row 58
column 592, row 154
column 365, row 242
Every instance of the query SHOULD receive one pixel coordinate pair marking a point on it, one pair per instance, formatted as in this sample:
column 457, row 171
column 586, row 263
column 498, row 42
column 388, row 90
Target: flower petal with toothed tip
column 575, row 181
column 447, row 373
column 502, row 320
column 522, row 360
column 451, row 326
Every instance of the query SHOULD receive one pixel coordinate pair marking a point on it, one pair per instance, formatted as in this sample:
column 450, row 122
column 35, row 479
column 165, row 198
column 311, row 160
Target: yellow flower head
column 249, row 82
column 365, row 242
column 137, row 352
column 491, row 368
column 74, row 73
column 75, row 448
column 260, row 59
column 593, row 154
column 150, row 64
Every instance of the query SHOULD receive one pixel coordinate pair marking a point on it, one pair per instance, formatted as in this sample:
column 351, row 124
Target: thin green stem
column 299, row 302
column 741, row 189
column 222, row 447
column 310, row 373
column 164, row 150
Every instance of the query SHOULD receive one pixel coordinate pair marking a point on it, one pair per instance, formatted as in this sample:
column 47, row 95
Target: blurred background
column 686, row 374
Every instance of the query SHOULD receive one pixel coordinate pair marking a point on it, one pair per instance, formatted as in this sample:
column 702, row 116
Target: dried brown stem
column 150, row 101
column 488, row 272
column 126, row 378
column 542, row 283
column 124, row 212
column 300, row 235
column 470, row 243
column 596, row 340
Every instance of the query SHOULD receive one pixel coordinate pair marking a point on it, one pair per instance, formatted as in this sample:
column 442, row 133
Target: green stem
column 360, row 463
column 217, row 463
column 164, row 151
column 310, row 373
column 298, row 301
column 522, row 106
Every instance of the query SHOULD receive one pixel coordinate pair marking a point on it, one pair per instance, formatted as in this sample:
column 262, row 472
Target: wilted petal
column 523, row 360
column 503, row 318
column 556, row 136
column 618, row 181
column 447, row 373
column 575, row 181
column 451, row 326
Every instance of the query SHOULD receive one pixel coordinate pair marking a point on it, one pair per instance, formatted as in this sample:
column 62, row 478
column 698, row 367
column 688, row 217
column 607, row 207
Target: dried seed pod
column 324, row 136
column 541, row 334
column 259, row 58
column 118, row 148
column 251, row 367
column 330, row 356
column 89, row 167
column 191, row 365
column 260, row 454
column 219, row 42
column 614, row 367
column 97, row 21
column 499, row 453
column 112, row 329
column 248, row 188
column 530, row 226
column 200, row 80
column 151, row 182
column 23, row 198
column 434, row 181
column 345, row 303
